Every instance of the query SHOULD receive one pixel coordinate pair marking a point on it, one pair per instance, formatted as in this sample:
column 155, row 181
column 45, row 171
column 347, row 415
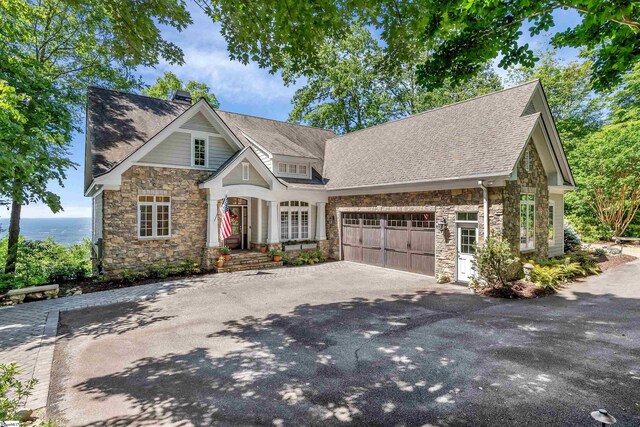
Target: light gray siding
column 176, row 151
column 219, row 151
column 96, row 228
column 234, row 177
column 200, row 123
column 558, row 225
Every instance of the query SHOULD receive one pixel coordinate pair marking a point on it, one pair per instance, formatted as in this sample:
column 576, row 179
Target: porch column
column 321, row 232
column 212, row 222
column 259, row 217
column 272, row 225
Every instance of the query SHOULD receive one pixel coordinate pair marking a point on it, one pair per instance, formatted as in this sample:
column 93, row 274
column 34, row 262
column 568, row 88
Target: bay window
column 294, row 220
column 527, row 221
column 154, row 216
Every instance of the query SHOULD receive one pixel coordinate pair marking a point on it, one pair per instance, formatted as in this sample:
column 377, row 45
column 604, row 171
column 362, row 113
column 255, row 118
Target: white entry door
column 467, row 239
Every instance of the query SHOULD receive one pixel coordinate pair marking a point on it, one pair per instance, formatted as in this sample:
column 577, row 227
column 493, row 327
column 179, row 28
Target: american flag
column 225, row 222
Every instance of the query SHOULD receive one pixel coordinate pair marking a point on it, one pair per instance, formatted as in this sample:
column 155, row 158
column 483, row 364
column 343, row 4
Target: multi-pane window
column 154, row 216
column 527, row 221
column 468, row 240
column 199, row 152
column 294, row 220
column 467, row 216
column 293, row 169
column 552, row 209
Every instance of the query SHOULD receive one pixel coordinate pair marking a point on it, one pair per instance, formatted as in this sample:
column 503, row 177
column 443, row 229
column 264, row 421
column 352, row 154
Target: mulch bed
column 527, row 290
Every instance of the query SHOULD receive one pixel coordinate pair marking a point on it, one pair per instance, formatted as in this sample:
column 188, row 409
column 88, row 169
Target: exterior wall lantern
column 442, row 224
column 602, row 416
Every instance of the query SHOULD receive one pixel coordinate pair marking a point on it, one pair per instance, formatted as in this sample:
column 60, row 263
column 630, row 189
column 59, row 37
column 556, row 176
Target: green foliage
column 551, row 272
column 572, row 239
column 169, row 82
column 164, row 270
column 461, row 36
column 308, row 257
column 225, row 250
column 132, row 276
column 13, row 392
column 607, row 170
column 44, row 261
column 274, row 252
column 494, row 264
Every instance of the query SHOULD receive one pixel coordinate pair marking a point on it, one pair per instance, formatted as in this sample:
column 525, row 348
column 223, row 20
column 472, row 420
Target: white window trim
column 293, row 175
column 530, row 245
column 199, row 135
column 467, row 221
column 298, row 209
column 154, row 219
column 552, row 205
column 245, row 171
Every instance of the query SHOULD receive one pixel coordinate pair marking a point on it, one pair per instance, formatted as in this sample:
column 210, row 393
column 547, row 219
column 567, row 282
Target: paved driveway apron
column 352, row 344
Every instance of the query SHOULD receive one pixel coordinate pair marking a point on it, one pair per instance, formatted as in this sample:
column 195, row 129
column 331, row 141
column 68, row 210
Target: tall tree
column 169, row 82
column 576, row 108
column 50, row 51
column 461, row 35
column 348, row 92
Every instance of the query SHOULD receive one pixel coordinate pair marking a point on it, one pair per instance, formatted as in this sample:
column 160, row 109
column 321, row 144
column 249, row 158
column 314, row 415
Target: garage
column 402, row 241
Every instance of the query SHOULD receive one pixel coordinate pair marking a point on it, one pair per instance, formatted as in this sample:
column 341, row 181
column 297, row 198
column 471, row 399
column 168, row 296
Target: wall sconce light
column 442, row 224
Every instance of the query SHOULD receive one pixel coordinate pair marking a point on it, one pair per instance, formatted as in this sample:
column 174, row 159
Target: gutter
column 485, row 200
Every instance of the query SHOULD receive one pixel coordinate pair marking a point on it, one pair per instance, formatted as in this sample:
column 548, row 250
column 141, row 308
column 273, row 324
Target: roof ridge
column 277, row 121
column 438, row 108
column 136, row 94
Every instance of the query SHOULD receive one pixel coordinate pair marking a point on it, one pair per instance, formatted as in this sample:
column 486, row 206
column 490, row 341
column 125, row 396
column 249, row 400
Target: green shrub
column 274, row 252
column 131, row 276
column 572, row 239
column 225, row 250
column 494, row 264
column 13, row 392
column 549, row 273
column 44, row 261
column 164, row 270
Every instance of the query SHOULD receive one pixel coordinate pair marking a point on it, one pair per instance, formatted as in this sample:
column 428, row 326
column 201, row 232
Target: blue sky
column 244, row 89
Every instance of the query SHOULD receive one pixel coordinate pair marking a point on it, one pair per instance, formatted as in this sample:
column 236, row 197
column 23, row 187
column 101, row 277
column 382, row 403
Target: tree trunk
column 14, row 234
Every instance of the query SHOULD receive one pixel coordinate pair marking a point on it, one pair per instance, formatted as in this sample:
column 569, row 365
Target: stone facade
column 535, row 180
column 123, row 250
column 445, row 204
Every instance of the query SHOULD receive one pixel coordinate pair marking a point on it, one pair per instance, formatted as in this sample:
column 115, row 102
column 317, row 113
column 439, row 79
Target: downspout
column 485, row 199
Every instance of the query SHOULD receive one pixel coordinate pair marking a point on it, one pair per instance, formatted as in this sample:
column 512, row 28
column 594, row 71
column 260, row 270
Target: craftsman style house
column 415, row 194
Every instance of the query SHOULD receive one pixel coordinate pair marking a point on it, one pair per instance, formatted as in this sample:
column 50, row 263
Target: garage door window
column 294, row 220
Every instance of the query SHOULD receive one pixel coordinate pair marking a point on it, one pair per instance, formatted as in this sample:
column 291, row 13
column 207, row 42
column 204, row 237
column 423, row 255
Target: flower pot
column 263, row 249
column 227, row 258
column 277, row 258
column 220, row 264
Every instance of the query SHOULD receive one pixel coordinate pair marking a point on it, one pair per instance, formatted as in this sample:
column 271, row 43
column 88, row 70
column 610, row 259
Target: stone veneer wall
column 445, row 203
column 535, row 179
column 122, row 248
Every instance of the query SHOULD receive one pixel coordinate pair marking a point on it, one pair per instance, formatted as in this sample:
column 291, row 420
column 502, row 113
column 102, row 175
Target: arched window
column 294, row 220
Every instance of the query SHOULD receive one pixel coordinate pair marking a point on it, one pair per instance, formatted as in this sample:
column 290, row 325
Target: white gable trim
column 250, row 156
column 113, row 176
column 268, row 153
column 550, row 130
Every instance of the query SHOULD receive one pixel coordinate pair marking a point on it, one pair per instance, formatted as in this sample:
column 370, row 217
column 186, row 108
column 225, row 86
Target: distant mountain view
column 66, row 231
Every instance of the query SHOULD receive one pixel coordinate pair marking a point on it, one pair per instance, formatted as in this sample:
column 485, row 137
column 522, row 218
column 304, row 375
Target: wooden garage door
column 400, row 241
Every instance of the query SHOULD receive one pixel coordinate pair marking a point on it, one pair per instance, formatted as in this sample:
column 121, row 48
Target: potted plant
column 263, row 249
column 220, row 262
column 275, row 255
column 226, row 253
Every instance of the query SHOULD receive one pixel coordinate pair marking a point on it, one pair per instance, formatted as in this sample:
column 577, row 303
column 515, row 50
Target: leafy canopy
column 169, row 82
column 461, row 36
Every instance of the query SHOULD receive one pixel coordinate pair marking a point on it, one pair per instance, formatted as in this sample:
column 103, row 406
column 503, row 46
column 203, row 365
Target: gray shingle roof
column 119, row 123
column 277, row 137
column 479, row 137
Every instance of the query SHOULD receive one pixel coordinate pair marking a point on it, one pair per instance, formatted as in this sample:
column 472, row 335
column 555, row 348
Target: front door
column 467, row 239
column 238, row 238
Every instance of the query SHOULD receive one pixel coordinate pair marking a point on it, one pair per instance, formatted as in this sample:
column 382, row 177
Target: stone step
column 244, row 267
column 252, row 260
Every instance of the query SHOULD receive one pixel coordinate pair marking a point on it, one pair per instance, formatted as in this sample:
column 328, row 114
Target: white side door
column 467, row 239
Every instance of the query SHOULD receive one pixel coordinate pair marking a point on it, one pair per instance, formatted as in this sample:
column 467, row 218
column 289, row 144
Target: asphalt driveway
column 353, row 345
